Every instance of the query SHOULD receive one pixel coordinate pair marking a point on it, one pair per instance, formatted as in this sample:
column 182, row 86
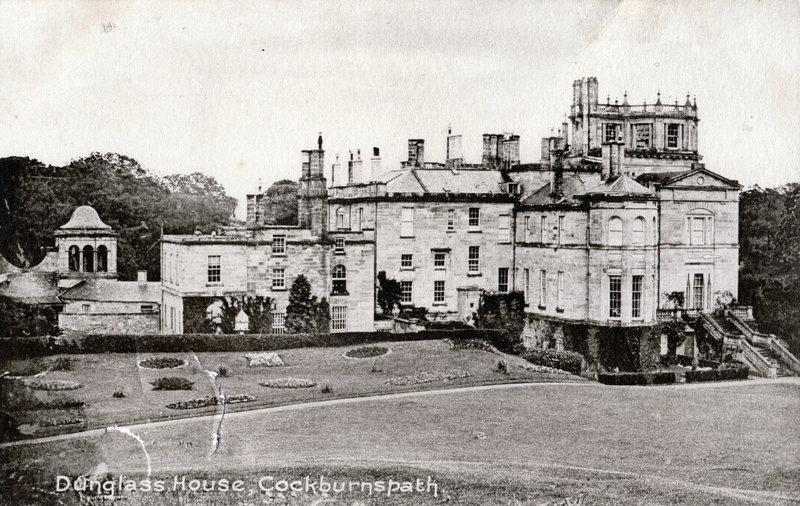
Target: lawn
column 103, row 374
column 714, row 444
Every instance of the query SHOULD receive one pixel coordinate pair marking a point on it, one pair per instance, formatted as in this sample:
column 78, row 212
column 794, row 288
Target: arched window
column 74, row 258
column 340, row 215
column 615, row 231
column 637, row 234
column 102, row 259
column 88, row 259
column 339, row 277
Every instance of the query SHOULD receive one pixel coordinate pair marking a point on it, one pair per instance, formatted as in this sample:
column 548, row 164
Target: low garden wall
column 23, row 347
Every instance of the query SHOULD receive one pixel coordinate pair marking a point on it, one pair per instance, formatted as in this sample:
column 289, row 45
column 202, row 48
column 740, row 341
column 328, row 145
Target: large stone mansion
column 619, row 213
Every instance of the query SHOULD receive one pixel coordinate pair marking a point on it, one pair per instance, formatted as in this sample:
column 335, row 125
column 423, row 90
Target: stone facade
column 110, row 323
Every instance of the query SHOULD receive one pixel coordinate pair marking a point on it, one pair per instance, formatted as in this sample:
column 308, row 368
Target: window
column 278, row 323
column 407, row 222
column 451, row 220
column 357, row 224
column 502, row 279
column 278, row 245
column 74, row 258
column 474, row 217
column 614, row 296
column 560, row 227
column 611, row 132
column 338, row 243
column 504, row 228
column 526, row 279
column 474, row 263
column 88, row 259
column 338, row 318
column 641, row 136
column 698, row 292
column 637, row 235
column 615, row 231
column 673, row 135
column 278, row 279
column 526, row 229
column 85, row 308
column 543, row 231
column 636, row 296
column 542, row 288
column 438, row 292
column 405, row 292
column 172, row 318
column 102, row 259
column 560, row 291
column 340, row 218
column 699, row 230
column 438, row 260
column 406, row 261
column 214, row 269
column 339, row 278
column 147, row 308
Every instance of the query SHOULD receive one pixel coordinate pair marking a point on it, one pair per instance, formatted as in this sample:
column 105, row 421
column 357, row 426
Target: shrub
column 223, row 371
column 367, row 352
column 172, row 383
column 24, row 347
column 327, row 389
column 161, row 363
column 288, row 383
column 504, row 311
column 52, row 385
column 118, row 394
column 62, row 364
column 636, row 378
column 565, row 360
column 264, row 359
column 210, row 401
column 375, row 367
column 502, row 367
column 57, row 422
column 727, row 371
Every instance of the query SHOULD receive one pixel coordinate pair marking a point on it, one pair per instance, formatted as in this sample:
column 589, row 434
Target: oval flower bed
column 288, row 383
column 161, row 363
column 366, row 352
column 52, row 385
column 57, row 422
column 210, row 401
column 427, row 377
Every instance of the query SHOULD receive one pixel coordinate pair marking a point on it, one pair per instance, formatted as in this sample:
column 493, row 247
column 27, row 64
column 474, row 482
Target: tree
column 389, row 293
column 280, row 203
column 300, row 311
column 503, row 311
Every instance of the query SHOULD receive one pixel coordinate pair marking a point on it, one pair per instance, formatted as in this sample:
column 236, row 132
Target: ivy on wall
column 212, row 315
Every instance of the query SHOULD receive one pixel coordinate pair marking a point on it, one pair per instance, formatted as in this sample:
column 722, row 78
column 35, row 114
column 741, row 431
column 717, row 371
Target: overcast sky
column 237, row 89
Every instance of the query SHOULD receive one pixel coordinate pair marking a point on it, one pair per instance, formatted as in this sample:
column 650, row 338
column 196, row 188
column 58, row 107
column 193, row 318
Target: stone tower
column 87, row 247
column 312, row 201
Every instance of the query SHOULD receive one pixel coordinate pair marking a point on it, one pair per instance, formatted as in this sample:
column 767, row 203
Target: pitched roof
column 109, row 290
column 448, row 181
column 570, row 186
column 85, row 217
column 31, row 288
column 619, row 185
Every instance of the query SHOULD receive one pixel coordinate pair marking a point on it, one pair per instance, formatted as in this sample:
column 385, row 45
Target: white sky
column 237, row 89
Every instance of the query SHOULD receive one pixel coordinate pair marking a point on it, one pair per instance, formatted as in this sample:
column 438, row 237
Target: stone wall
column 134, row 323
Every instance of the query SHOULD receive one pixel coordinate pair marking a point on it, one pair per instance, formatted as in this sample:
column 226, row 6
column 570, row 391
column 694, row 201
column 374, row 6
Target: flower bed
column 543, row 368
column 57, row 422
column 367, row 352
column 172, row 383
column 288, row 383
column 264, row 359
column 636, row 378
column 472, row 344
column 427, row 377
column 52, row 385
column 210, row 401
column 162, row 363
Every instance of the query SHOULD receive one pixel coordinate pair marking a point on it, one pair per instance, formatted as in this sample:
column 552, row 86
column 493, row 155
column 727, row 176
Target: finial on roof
column 449, row 128
column 625, row 99
column 319, row 141
column 616, row 101
column 695, row 102
column 688, row 102
column 658, row 102
column 608, row 99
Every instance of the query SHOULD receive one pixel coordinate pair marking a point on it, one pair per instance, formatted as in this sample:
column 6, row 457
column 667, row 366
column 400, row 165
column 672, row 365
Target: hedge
column 728, row 371
column 565, row 360
column 24, row 347
column 636, row 378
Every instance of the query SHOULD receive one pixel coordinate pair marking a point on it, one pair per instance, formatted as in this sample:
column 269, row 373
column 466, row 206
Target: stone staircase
column 781, row 370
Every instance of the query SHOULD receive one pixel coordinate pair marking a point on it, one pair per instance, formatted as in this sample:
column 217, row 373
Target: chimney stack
column 375, row 165
column 613, row 155
column 358, row 170
column 416, row 152
column 557, row 167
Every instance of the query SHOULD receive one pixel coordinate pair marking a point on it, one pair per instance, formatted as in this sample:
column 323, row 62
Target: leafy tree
column 300, row 311
column 280, row 203
column 389, row 293
column 322, row 315
column 503, row 311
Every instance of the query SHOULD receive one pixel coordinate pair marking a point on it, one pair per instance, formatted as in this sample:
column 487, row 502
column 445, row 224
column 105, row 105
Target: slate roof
column 619, row 185
column 85, row 217
column 109, row 290
column 31, row 288
column 445, row 181
column 570, row 186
